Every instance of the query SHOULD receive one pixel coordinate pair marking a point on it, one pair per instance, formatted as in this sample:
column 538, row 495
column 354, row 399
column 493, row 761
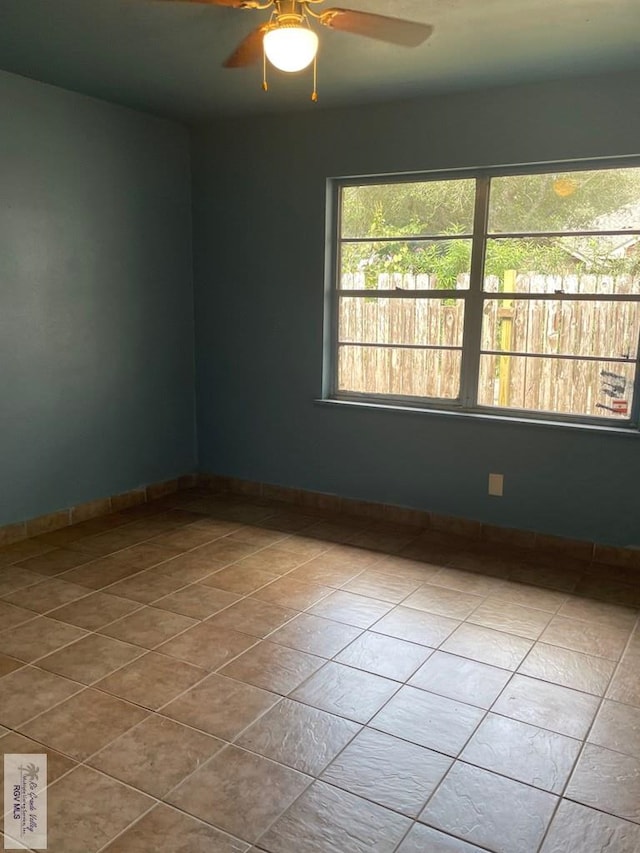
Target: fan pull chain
column 314, row 94
column 265, row 85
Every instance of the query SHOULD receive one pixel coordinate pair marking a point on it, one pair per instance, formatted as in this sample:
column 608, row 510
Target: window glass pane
column 556, row 385
column 557, row 327
column 418, row 208
column 399, row 372
column 566, row 264
column 430, row 322
column 563, row 327
column 599, row 200
column 414, row 265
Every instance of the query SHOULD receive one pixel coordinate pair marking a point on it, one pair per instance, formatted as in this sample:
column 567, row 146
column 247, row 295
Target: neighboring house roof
column 620, row 219
column 614, row 247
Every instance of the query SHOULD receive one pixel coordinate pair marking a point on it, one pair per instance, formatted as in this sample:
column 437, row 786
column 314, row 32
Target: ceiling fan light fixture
column 290, row 48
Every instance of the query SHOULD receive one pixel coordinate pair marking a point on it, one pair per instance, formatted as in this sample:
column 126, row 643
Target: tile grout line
column 582, row 741
column 84, row 762
column 363, row 727
column 309, row 606
column 488, row 711
column 315, row 778
column 92, row 591
column 89, row 632
column 585, row 741
column 145, row 650
column 238, row 735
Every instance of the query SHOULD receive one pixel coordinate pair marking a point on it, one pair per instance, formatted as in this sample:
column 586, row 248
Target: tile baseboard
column 538, row 541
column 12, row 533
column 320, row 502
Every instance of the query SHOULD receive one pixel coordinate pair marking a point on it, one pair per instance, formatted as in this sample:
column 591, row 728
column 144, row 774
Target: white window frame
column 474, row 297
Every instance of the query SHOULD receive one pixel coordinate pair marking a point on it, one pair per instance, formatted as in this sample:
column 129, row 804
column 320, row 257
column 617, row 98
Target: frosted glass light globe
column 290, row 48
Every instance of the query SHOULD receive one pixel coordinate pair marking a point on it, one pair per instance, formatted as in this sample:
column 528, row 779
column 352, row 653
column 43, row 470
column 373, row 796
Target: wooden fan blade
column 249, row 51
column 393, row 30
column 234, row 4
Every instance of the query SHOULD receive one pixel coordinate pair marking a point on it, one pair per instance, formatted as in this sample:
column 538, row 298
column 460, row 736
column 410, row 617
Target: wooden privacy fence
column 545, row 327
column 522, row 282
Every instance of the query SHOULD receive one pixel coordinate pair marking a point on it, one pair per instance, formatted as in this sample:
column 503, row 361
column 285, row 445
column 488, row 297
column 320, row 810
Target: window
column 513, row 292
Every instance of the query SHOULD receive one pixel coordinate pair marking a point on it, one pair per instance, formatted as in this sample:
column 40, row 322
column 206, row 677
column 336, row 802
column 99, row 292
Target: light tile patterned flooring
column 217, row 675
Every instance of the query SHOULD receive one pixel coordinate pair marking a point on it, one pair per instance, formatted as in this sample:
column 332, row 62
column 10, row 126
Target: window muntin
column 541, row 315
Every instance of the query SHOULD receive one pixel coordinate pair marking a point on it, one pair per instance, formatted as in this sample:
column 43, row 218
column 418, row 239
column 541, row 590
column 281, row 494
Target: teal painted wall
column 96, row 300
column 259, row 215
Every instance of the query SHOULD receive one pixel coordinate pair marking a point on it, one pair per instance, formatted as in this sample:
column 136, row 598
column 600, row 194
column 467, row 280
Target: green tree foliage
column 601, row 200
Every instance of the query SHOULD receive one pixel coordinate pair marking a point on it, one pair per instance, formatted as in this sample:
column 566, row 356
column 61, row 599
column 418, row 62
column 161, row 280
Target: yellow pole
column 506, row 340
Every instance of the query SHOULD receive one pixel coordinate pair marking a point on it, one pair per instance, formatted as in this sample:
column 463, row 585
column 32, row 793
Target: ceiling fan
column 289, row 42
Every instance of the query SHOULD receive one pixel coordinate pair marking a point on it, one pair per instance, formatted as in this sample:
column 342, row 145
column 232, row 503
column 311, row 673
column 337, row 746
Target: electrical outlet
column 496, row 485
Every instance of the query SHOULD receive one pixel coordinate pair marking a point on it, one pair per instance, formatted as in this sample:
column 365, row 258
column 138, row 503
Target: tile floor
column 215, row 675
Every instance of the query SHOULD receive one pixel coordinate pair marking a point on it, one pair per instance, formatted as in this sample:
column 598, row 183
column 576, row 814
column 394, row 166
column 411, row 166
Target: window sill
column 480, row 416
